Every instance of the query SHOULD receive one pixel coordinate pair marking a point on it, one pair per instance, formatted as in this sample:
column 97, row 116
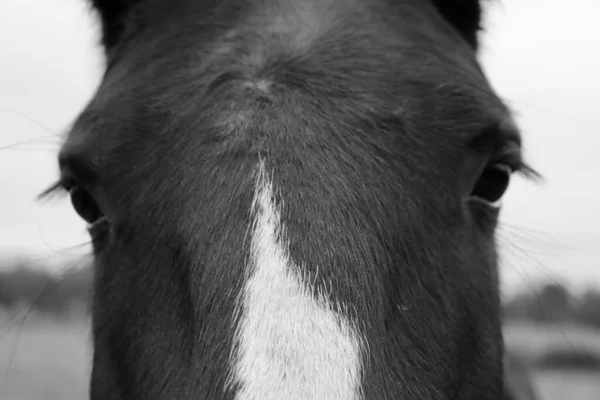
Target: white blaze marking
column 292, row 344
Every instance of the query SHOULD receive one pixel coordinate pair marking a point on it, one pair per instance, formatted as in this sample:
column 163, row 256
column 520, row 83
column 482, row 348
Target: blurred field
column 43, row 359
column 46, row 359
column 568, row 385
column 533, row 341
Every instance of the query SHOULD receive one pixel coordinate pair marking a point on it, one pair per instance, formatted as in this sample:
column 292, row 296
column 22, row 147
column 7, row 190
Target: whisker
column 54, row 281
column 29, row 119
column 32, row 149
column 16, row 145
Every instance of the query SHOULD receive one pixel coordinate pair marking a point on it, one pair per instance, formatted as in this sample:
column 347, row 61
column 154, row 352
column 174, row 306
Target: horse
column 293, row 199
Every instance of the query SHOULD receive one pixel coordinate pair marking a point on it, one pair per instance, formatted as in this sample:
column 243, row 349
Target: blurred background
column 541, row 56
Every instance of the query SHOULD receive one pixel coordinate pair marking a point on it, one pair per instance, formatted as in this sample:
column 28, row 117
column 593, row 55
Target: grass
column 47, row 360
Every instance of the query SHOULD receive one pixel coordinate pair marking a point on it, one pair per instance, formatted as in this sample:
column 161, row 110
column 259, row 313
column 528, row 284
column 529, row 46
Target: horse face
column 353, row 147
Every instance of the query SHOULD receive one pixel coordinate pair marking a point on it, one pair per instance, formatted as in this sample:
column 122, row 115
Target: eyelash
column 58, row 188
column 517, row 165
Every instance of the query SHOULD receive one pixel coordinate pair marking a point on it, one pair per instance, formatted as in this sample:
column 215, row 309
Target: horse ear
column 463, row 15
column 112, row 17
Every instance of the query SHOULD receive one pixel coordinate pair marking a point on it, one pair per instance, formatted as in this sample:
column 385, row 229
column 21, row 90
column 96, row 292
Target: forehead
column 373, row 46
column 310, row 18
column 289, row 26
column 355, row 60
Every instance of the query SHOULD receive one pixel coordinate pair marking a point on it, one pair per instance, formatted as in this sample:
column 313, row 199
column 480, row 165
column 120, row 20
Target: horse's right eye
column 85, row 205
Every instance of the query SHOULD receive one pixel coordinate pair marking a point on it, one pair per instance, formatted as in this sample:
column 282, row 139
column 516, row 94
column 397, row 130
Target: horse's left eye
column 492, row 183
column 85, row 205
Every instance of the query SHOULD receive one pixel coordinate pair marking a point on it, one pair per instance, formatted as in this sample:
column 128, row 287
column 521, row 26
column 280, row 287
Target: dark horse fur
column 377, row 125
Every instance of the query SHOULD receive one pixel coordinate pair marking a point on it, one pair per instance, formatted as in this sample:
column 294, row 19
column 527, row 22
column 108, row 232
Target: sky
column 544, row 62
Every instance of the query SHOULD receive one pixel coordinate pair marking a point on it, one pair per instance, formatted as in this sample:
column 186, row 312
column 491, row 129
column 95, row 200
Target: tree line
column 25, row 286
column 554, row 303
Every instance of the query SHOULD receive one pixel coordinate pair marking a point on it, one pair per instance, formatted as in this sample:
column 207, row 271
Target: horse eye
column 85, row 205
column 492, row 183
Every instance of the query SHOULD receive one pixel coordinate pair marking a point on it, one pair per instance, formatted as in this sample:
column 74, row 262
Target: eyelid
column 511, row 158
column 63, row 185
column 76, row 170
column 67, row 181
column 514, row 160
